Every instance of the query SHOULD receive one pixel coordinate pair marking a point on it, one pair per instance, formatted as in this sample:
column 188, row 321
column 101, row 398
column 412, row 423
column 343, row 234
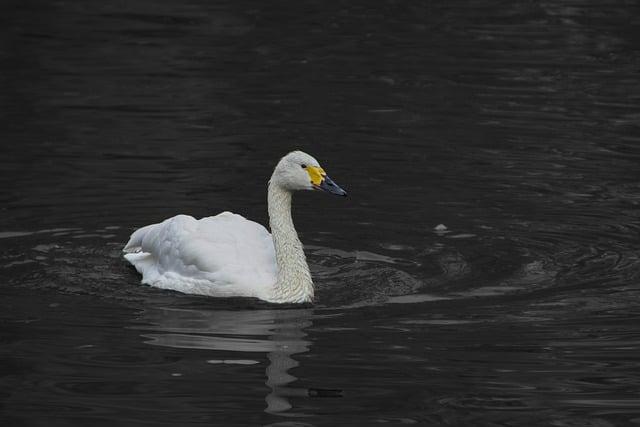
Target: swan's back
column 222, row 255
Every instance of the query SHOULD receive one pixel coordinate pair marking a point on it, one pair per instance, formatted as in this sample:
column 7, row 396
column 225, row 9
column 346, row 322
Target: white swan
column 227, row 255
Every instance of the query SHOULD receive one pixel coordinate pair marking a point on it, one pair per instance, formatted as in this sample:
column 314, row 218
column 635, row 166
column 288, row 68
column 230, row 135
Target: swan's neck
column 294, row 279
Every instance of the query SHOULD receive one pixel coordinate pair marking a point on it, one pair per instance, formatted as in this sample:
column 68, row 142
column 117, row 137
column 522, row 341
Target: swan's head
column 300, row 171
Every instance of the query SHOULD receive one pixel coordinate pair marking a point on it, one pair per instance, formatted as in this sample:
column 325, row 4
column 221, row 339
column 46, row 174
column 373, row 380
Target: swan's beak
column 331, row 187
column 321, row 181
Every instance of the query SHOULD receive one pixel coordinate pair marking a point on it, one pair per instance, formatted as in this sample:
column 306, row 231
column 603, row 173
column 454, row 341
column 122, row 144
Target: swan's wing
column 226, row 253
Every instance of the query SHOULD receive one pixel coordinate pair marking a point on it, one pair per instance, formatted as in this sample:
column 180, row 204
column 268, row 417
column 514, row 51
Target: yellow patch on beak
column 316, row 174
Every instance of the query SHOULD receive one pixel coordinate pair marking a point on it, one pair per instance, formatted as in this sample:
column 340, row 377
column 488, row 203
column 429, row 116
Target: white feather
column 223, row 255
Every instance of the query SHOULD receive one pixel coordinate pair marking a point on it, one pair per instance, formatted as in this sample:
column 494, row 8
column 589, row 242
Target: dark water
column 514, row 124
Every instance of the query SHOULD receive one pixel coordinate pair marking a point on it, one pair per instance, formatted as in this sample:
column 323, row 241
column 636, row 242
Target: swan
column 227, row 255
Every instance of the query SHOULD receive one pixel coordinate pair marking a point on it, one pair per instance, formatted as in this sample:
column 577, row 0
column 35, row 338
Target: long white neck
column 294, row 282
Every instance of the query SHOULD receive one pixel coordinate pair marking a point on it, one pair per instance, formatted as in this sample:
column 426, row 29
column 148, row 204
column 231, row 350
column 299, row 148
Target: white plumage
column 223, row 255
column 227, row 255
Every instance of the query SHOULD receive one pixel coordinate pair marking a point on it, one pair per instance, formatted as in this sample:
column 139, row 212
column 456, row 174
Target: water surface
column 483, row 270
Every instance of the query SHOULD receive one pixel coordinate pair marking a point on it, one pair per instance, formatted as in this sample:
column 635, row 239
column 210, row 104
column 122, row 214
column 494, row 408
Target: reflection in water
column 279, row 333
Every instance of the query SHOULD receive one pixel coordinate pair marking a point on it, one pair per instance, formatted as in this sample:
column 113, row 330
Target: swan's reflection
column 239, row 331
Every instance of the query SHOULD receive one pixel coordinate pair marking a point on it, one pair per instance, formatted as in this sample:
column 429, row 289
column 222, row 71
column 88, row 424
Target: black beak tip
column 331, row 187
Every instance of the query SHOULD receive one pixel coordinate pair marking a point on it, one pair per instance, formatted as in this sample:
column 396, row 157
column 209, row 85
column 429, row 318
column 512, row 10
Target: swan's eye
column 303, row 166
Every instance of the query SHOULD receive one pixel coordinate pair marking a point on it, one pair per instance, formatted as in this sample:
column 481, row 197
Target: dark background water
column 515, row 124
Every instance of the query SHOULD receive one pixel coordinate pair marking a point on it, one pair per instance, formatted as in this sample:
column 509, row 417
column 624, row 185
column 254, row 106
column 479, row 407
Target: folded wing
column 223, row 255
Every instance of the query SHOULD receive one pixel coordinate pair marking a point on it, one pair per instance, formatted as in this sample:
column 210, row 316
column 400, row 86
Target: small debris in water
column 441, row 229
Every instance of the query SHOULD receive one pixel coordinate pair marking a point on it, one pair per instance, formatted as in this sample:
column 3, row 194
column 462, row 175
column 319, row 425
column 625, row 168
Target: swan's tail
column 135, row 241
column 141, row 260
column 144, row 263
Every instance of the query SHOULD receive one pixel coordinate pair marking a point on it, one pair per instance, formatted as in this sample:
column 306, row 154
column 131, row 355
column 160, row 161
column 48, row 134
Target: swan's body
column 227, row 255
column 222, row 255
